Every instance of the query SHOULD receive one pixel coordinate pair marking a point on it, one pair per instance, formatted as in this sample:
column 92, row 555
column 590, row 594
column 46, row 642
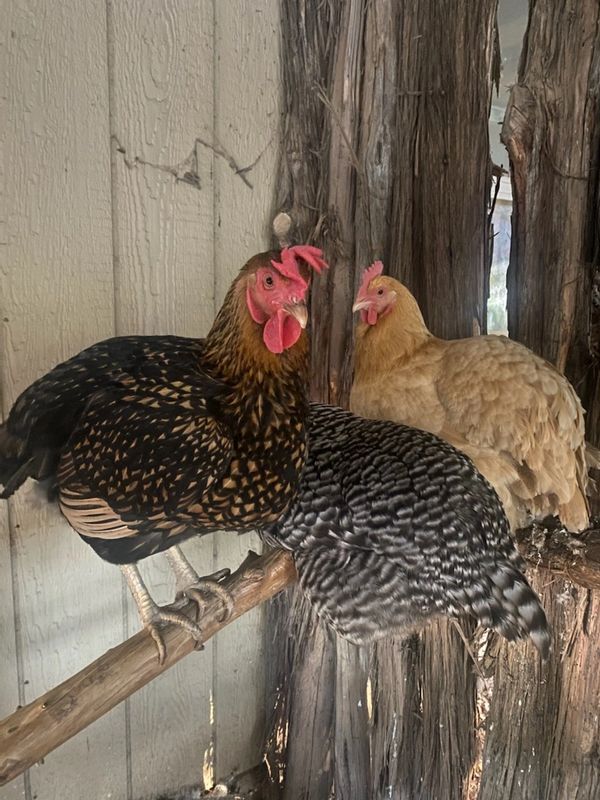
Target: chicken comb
column 288, row 265
column 371, row 272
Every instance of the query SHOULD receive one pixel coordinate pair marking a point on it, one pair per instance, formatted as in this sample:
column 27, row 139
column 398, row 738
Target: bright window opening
column 496, row 311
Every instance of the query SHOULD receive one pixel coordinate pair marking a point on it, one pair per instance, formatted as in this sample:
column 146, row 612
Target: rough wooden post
column 385, row 156
column 423, row 736
column 544, row 733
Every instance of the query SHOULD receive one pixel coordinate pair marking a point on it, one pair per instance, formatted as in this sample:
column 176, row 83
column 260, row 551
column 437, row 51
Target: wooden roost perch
column 36, row 729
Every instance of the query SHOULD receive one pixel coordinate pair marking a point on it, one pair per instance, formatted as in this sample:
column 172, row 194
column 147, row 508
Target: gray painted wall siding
column 105, row 106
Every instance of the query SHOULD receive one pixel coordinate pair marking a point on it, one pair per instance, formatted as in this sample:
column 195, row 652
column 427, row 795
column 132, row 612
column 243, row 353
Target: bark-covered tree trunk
column 544, row 733
column 423, row 739
column 385, row 155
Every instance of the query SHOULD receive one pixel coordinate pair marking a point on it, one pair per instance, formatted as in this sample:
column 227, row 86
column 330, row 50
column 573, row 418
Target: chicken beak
column 299, row 311
column 359, row 305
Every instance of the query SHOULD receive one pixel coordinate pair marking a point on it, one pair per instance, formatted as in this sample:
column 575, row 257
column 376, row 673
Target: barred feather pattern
column 393, row 526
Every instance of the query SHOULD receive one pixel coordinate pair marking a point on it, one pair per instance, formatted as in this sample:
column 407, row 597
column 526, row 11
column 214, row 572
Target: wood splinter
column 36, row 729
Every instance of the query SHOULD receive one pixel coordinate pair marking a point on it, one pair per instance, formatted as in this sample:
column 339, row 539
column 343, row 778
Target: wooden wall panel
column 247, row 107
column 121, row 215
column 57, row 297
column 161, row 100
column 9, row 675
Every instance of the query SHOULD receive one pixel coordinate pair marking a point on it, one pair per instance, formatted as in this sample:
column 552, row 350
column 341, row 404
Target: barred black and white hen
column 393, row 526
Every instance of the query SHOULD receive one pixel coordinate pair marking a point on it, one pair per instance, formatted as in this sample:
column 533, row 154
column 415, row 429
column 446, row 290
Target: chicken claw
column 163, row 616
column 191, row 586
column 210, row 586
column 152, row 616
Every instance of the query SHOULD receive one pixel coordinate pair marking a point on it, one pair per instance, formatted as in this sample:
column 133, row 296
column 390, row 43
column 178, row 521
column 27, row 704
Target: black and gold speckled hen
column 151, row 440
column 392, row 526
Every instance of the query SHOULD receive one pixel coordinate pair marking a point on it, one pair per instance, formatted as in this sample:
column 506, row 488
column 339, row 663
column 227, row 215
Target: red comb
column 288, row 265
column 312, row 255
column 371, row 272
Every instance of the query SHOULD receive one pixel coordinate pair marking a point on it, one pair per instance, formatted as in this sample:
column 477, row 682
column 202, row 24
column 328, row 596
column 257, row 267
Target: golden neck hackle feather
column 396, row 336
column 235, row 348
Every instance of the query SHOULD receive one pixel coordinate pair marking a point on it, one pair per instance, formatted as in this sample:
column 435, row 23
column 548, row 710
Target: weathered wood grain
column 441, row 159
column 575, row 558
column 352, row 753
column 57, row 297
column 373, row 173
column 161, row 79
column 545, row 737
column 36, row 729
column 377, row 135
column 424, row 715
column 161, row 100
column 300, row 752
column 552, row 140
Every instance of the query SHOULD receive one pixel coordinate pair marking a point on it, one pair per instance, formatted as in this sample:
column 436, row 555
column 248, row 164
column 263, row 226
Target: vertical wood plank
column 162, row 87
column 161, row 74
column 57, row 297
column 9, row 682
column 247, row 97
column 247, row 116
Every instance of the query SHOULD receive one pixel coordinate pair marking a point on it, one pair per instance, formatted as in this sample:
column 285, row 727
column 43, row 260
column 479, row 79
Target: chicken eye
column 379, row 291
column 268, row 282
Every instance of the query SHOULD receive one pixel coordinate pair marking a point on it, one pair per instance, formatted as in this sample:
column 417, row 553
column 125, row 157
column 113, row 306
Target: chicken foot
column 152, row 615
column 190, row 585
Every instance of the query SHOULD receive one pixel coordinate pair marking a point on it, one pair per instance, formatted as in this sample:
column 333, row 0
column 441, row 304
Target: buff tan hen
column 517, row 418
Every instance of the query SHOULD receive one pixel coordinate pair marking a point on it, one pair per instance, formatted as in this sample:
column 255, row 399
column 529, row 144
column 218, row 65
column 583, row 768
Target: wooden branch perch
column 38, row 728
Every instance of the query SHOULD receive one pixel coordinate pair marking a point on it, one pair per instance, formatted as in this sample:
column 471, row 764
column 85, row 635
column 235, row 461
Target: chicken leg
column 189, row 584
column 152, row 615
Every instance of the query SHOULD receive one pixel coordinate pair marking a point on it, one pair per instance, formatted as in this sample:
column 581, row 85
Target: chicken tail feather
column 17, row 462
column 592, row 456
column 516, row 611
column 12, row 468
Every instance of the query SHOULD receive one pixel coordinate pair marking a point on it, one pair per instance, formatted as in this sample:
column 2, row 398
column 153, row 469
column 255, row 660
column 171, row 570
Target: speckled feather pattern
column 393, row 526
column 169, row 463
column 151, row 440
column 43, row 416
